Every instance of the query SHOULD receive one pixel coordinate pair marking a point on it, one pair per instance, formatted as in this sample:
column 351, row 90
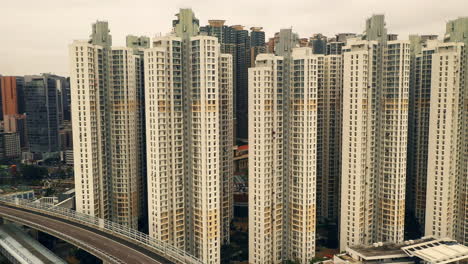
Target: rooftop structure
column 22, row 192
column 424, row 250
column 438, row 251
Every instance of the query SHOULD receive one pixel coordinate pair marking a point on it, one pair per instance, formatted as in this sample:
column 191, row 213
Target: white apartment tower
column 188, row 92
column 105, row 120
column 165, row 141
column 301, row 151
column 90, row 159
column 282, row 158
column 266, row 160
column 446, row 166
column 375, row 112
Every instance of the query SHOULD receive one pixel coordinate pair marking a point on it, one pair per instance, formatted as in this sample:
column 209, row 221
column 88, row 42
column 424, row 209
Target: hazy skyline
column 36, row 34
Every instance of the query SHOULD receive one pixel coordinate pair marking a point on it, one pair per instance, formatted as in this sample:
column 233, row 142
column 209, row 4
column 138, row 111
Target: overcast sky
column 35, row 34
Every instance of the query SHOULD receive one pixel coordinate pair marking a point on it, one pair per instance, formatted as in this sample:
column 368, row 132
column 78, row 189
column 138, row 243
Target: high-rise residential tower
column 266, row 160
column 106, row 119
column 188, row 91
column 447, row 172
column 446, row 164
column 283, row 91
column 375, row 112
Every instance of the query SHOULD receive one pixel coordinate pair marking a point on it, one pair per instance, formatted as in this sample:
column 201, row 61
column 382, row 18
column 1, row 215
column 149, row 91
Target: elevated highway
column 111, row 242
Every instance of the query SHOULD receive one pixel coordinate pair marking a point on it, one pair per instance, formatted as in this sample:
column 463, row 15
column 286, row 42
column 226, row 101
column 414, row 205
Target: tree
column 32, row 172
column 49, row 192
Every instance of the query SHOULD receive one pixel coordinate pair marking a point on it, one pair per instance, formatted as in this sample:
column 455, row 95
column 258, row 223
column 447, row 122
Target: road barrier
column 129, row 234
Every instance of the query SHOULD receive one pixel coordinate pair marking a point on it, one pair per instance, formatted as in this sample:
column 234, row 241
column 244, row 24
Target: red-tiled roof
column 243, row 147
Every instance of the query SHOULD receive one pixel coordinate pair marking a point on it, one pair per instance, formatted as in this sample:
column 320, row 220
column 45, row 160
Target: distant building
column 391, row 37
column 241, row 159
column 2, row 147
column 318, row 43
column 241, row 65
column 11, row 144
column 303, row 42
column 12, row 95
column 66, row 136
column 257, row 43
column 335, row 45
column 137, row 42
column 17, row 124
column 10, row 192
column 270, row 45
column 66, row 143
column 235, row 40
column 14, row 120
column 240, row 181
column 63, row 98
column 42, row 113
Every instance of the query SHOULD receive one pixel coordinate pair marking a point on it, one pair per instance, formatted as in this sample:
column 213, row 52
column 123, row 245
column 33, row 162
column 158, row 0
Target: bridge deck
column 120, row 249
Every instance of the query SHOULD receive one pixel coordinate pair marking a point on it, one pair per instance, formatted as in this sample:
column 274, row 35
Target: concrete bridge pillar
column 34, row 233
column 101, row 223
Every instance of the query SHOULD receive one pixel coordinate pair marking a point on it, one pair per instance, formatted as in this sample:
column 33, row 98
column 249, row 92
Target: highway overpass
column 111, row 242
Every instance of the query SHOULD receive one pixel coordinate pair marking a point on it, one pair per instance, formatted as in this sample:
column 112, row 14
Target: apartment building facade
column 375, row 112
column 105, row 116
column 189, row 94
column 446, row 165
column 282, row 158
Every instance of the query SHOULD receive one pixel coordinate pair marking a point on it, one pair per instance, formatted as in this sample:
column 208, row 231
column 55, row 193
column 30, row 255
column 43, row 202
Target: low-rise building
column 241, row 159
column 11, row 145
column 425, row 250
column 13, row 192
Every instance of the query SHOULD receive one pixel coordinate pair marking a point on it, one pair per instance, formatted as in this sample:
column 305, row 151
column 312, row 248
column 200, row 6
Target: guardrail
column 70, row 239
column 127, row 233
